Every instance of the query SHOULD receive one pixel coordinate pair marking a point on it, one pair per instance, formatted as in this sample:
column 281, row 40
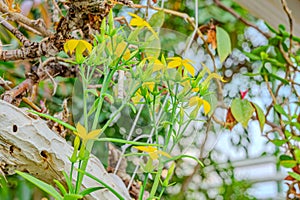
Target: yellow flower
column 79, row 45
column 82, row 133
column 120, row 47
column 198, row 102
column 153, row 152
column 178, row 62
column 138, row 95
column 139, row 22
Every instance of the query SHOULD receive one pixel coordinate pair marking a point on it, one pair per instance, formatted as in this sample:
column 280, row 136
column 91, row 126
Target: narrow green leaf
column 49, row 189
column 132, row 107
column 90, row 190
column 284, row 81
column 242, row 111
column 102, row 183
column 72, row 197
column 68, row 126
column 251, row 56
column 294, row 175
column 223, row 44
column 69, row 182
column 260, row 115
column 61, row 187
column 94, row 107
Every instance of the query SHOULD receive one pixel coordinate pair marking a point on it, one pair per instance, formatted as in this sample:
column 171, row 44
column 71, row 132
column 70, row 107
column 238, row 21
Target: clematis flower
column 140, row 22
column 197, row 101
column 82, row 133
column 79, row 45
column 178, row 62
column 152, row 151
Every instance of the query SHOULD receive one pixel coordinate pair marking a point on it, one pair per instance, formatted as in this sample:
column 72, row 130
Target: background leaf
column 242, row 111
column 157, row 19
column 260, row 115
column 223, row 44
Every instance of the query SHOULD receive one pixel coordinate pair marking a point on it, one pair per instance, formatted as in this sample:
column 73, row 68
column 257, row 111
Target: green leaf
column 152, row 47
column 278, row 142
column 223, row 44
column 242, row 111
column 132, row 107
column 288, row 163
column 284, row 81
column 102, row 183
column 251, row 56
column 149, row 167
column 94, row 106
column 90, row 190
column 49, row 189
column 297, row 125
column 68, row 126
column 280, row 110
column 72, row 197
column 60, row 187
column 133, row 36
column 297, row 154
column 260, row 115
column 157, row 19
column 69, row 182
column 294, row 175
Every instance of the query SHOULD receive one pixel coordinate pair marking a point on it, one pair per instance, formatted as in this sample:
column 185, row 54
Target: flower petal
column 174, row 63
column 190, row 68
column 93, row 134
column 81, row 130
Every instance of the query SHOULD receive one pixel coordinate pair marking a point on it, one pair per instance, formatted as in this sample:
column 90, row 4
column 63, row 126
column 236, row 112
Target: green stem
column 79, row 178
column 161, row 164
column 141, row 195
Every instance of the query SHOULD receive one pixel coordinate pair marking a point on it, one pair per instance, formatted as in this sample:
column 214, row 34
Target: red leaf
column 289, row 178
column 243, row 93
column 230, row 120
column 296, row 169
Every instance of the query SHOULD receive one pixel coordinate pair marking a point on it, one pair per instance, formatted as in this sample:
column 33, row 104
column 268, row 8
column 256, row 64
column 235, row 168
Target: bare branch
column 231, row 11
column 38, row 25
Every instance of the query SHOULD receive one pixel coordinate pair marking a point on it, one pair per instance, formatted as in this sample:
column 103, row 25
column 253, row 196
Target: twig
column 4, row 84
column 15, row 32
column 38, row 25
column 289, row 15
column 231, row 11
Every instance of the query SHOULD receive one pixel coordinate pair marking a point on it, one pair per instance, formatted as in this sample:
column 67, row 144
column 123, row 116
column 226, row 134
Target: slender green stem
column 79, row 178
column 141, row 195
column 71, row 173
column 168, row 137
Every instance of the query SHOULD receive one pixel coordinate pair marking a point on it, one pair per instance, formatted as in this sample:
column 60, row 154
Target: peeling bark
column 27, row 144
